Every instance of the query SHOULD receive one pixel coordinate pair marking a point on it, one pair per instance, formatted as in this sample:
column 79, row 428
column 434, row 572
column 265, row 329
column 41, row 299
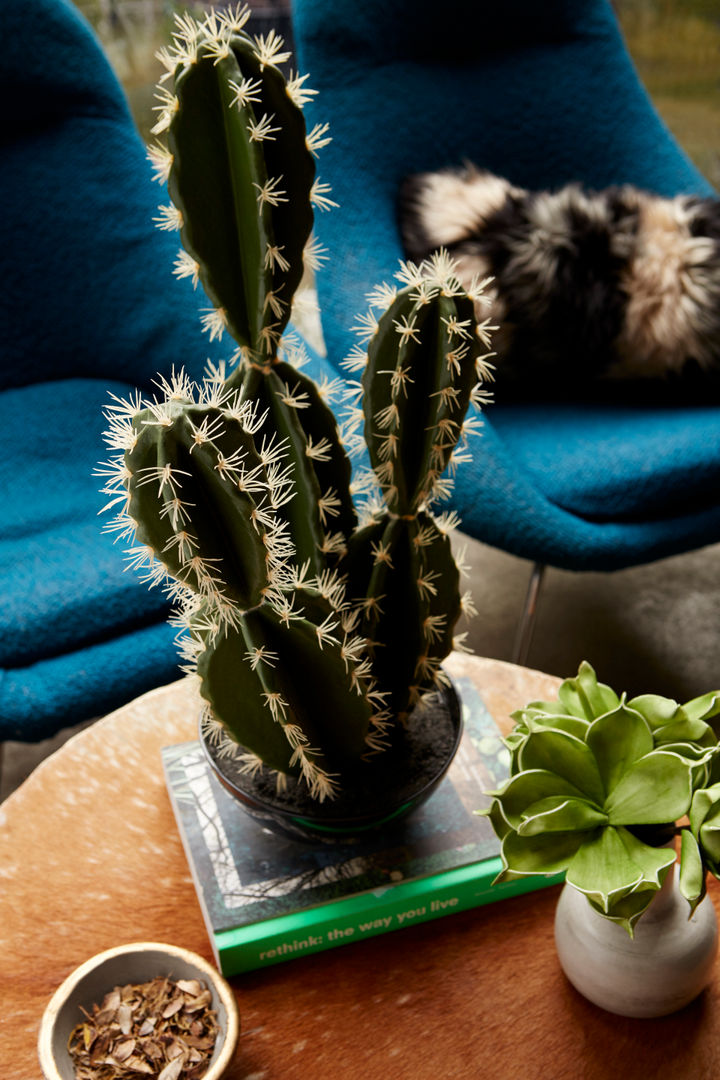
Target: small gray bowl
column 137, row 963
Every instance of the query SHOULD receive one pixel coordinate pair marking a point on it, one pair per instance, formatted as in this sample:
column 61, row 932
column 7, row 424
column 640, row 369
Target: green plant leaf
column 528, row 788
column 566, row 756
column 602, row 698
column 497, row 819
column 559, row 814
column 656, row 789
column 585, row 697
column 572, row 725
column 692, row 870
column 627, row 910
column 547, row 854
column 658, row 711
column 701, row 760
column 683, row 729
column 603, row 869
column 653, row 861
column 553, row 707
column 704, row 707
column 701, row 805
column 709, row 836
column 618, row 739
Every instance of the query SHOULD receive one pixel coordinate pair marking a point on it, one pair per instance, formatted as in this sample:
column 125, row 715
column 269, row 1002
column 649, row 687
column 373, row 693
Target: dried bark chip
column 125, row 1018
column 112, row 1000
column 200, row 1002
column 174, row 1007
column 173, row 1070
column 160, row 1029
column 123, row 1049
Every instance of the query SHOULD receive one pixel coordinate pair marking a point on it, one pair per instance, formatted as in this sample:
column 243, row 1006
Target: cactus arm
column 236, row 690
column 417, row 386
column 171, row 475
column 244, row 195
column 441, row 598
column 406, row 574
column 389, row 383
column 214, row 182
column 391, row 620
column 315, row 457
column 423, row 362
column 329, row 470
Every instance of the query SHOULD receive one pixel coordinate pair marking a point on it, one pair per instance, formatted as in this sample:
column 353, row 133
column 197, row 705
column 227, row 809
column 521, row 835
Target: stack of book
column 266, row 899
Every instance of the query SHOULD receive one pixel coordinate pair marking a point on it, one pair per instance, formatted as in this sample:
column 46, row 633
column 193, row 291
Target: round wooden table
column 90, row 858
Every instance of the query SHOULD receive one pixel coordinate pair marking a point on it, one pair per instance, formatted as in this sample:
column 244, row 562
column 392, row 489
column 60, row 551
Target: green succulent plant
column 312, row 625
column 599, row 786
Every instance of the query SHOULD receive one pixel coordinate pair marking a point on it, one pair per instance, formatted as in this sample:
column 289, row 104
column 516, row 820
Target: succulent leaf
column 618, row 739
column 558, row 814
column 530, row 787
column 655, row 789
column 585, row 697
column 704, row 816
column 611, row 864
column 567, row 756
column 625, row 910
column 693, row 876
column 550, row 853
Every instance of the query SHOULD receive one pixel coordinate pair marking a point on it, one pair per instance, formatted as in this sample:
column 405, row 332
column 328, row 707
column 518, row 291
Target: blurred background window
column 675, row 45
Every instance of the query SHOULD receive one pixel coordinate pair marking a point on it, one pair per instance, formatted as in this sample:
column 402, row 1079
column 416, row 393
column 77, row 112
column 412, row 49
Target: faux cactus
column 310, row 635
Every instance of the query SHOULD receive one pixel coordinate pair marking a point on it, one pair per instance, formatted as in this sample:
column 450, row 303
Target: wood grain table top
column 90, row 858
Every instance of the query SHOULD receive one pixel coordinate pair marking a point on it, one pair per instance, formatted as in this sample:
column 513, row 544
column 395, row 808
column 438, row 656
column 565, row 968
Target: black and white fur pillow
column 614, row 284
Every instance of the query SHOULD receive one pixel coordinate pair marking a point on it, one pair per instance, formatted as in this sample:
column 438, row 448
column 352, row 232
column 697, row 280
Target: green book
column 266, row 899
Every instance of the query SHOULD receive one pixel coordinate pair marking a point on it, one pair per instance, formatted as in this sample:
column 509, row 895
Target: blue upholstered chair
column 543, row 94
column 88, row 305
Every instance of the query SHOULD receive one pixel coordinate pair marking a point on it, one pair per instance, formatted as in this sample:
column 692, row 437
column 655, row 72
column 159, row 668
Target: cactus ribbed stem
column 421, row 371
column 308, row 635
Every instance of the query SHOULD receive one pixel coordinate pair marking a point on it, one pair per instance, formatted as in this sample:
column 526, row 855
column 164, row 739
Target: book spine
column 288, row 937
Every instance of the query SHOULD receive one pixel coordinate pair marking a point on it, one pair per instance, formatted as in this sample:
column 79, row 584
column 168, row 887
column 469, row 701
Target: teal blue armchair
column 543, row 94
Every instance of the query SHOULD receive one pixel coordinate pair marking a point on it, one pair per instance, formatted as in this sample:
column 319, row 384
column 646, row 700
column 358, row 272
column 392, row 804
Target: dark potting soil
column 392, row 777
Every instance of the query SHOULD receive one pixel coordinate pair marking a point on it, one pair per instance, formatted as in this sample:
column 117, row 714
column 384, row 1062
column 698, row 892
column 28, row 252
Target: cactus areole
column 314, row 603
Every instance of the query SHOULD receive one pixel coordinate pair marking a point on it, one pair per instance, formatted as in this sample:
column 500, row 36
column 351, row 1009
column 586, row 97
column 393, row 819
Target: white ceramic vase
column 667, row 963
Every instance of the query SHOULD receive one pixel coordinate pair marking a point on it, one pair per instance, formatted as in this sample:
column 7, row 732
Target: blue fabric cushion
column 65, row 585
column 543, row 95
column 615, row 463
